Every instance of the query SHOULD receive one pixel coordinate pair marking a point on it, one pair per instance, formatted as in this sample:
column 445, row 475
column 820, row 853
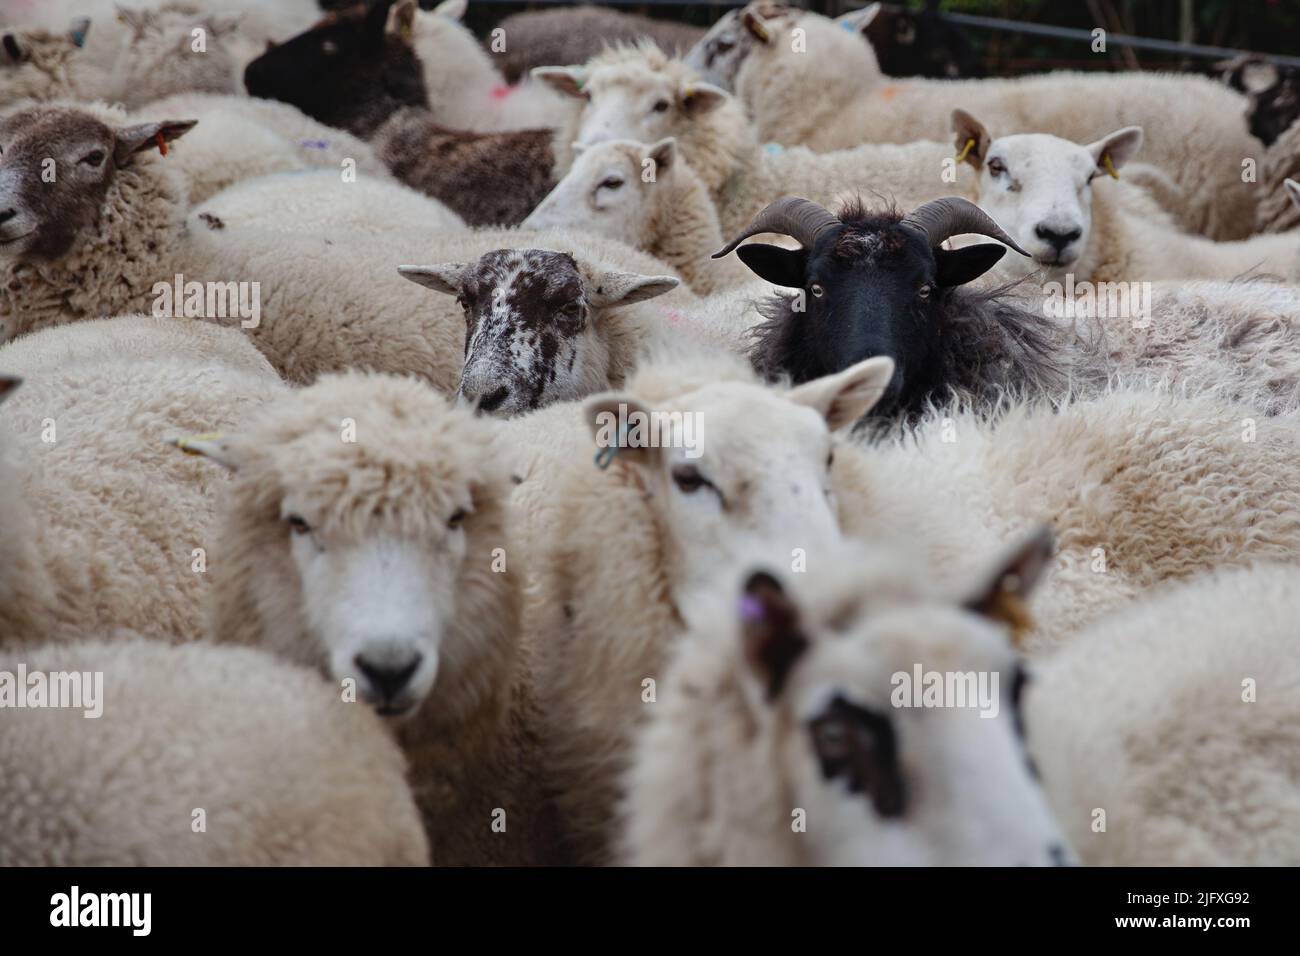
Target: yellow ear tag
column 184, row 443
column 1110, row 167
column 966, row 150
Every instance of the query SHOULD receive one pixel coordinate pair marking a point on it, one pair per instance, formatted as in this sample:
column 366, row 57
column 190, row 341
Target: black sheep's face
column 339, row 71
column 864, row 293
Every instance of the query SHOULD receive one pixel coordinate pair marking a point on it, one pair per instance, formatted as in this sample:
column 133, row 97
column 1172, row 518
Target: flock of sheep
column 327, row 356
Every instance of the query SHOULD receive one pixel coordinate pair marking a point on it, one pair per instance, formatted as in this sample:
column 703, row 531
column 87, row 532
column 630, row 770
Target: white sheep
column 637, row 92
column 1040, row 188
column 1140, row 486
column 823, row 88
column 199, row 756
column 321, row 201
column 114, row 240
column 365, row 534
column 779, row 736
column 103, row 527
column 1167, row 734
column 647, row 197
column 239, row 138
column 614, row 555
column 466, row 90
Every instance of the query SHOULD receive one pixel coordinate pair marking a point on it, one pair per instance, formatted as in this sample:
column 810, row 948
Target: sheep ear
column 452, row 8
column 770, row 633
column 375, row 23
column 401, row 20
column 612, row 418
column 444, row 277
column 1256, row 77
column 78, row 29
column 624, row 288
column 1293, row 190
column 135, row 139
column 8, row 385
column 784, row 267
column 663, row 153
column 701, row 98
column 1002, row 597
column 214, row 447
column 757, row 26
column 568, row 80
column 1119, row 147
column 843, row 398
column 971, row 138
column 959, row 266
column 857, row 21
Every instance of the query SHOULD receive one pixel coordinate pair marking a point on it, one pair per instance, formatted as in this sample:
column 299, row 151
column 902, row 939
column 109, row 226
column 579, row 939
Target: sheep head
column 359, row 528
column 614, row 189
column 538, row 324
column 56, row 166
column 733, row 466
column 870, row 284
column 352, row 70
column 1039, row 187
column 635, row 92
column 718, row 55
column 820, row 669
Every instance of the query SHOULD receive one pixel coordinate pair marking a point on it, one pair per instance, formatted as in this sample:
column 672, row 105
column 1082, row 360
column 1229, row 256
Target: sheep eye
column 689, row 479
column 724, row 44
column 93, row 158
column 661, row 106
column 817, row 290
column 457, row 518
column 996, row 167
column 297, row 525
column 830, row 459
column 611, row 182
column 329, row 47
column 924, row 291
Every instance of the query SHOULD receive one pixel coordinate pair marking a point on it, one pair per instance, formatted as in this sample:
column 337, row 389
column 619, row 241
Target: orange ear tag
column 162, row 143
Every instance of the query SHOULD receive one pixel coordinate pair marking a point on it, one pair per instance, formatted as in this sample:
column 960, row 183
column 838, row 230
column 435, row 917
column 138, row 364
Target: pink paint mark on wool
column 501, row 91
column 673, row 316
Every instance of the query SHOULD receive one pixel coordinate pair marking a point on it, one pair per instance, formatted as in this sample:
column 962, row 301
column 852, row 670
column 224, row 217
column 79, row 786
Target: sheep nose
column 493, row 399
column 390, row 675
column 6, row 215
column 1058, row 240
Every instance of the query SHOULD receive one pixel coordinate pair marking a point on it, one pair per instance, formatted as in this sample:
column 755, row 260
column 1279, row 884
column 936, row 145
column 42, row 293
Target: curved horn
column 941, row 218
column 800, row 219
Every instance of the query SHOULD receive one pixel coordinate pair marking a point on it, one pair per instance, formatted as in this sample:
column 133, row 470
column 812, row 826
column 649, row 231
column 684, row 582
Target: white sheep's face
column 1039, row 189
column 536, row 324
column 718, row 55
column 610, row 191
column 891, row 785
column 378, row 607
column 837, row 679
column 735, row 468
column 633, row 103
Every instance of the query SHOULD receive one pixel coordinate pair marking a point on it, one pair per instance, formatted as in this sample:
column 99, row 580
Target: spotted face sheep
column 541, row 326
column 881, row 284
column 782, row 703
